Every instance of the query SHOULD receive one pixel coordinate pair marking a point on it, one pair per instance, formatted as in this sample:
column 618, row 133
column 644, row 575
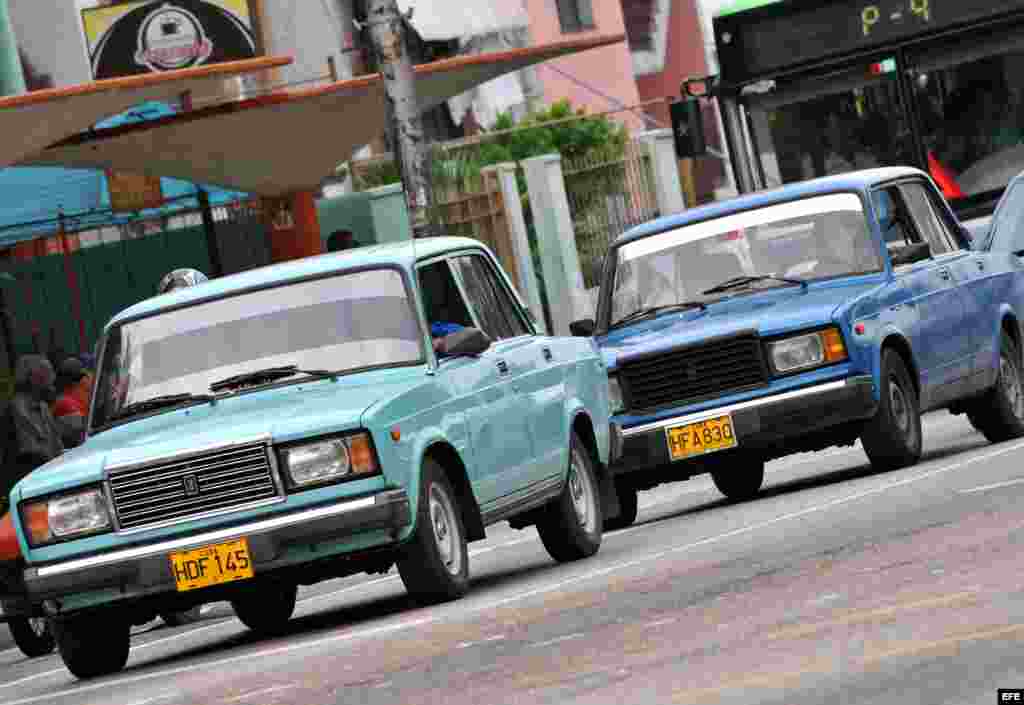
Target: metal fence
column 608, row 194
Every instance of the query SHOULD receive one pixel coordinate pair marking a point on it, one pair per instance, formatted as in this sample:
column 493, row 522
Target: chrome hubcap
column 581, row 491
column 37, row 625
column 446, row 530
column 898, row 405
column 1010, row 381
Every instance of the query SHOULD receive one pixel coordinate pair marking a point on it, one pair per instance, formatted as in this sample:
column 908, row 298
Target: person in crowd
column 72, row 405
column 438, row 332
column 341, row 240
column 32, row 435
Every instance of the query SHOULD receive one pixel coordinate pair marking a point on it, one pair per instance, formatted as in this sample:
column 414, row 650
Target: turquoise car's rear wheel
column 266, row 608
column 435, row 563
column 572, row 525
column 999, row 413
column 892, row 439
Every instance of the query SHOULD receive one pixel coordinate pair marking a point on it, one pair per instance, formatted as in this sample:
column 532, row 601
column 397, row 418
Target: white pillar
column 563, row 280
column 520, row 240
column 662, row 150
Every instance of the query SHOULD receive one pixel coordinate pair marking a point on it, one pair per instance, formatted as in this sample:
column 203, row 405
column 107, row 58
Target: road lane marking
column 264, row 691
column 993, row 486
column 495, row 604
column 557, row 640
column 878, row 614
column 913, row 649
column 661, row 622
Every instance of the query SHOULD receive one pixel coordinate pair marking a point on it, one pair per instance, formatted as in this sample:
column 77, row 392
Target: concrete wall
column 599, row 79
column 49, row 34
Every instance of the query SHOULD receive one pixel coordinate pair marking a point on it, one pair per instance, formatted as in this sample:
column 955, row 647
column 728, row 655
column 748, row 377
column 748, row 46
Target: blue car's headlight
column 807, row 351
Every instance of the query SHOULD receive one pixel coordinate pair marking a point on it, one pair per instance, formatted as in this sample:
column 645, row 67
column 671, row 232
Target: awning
column 288, row 141
column 35, row 120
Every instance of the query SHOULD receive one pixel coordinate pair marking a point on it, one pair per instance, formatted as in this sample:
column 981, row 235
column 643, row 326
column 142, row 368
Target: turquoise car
column 301, row 422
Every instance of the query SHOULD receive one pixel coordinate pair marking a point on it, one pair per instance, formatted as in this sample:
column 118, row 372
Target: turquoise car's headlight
column 66, row 516
column 615, row 395
column 329, row 460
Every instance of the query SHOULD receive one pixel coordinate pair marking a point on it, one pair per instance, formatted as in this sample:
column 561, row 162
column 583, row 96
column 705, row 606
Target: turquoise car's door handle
column 502, row 367
column 547, row 354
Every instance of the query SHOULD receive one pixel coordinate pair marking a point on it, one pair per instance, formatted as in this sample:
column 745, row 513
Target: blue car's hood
column 776, row 311
column 285, row 413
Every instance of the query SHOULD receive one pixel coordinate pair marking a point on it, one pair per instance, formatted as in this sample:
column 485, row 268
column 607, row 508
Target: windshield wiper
column 270, row 374
column 737, row 282
column 155, row 403
column 655, row 310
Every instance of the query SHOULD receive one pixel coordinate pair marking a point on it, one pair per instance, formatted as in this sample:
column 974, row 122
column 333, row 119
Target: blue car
column 320, row 418
column 801, row 318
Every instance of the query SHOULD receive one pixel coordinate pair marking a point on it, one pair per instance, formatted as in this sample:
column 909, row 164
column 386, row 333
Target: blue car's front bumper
column 770, row 424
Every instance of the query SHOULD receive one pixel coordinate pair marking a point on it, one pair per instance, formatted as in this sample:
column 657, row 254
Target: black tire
column 740, row 478
column 628, row 507
column 180, row 619
column 892, row 438
column 267, row 608
column 93, row 645
column 999, row 413
column 434, row 565
column 572, row 525
column 32, row 635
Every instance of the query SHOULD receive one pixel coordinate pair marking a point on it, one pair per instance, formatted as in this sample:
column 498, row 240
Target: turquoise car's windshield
column 346, row 322
column 813, row 238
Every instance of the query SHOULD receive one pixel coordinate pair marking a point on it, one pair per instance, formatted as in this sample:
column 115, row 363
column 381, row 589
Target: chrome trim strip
column 751, row 404
column 204, row 539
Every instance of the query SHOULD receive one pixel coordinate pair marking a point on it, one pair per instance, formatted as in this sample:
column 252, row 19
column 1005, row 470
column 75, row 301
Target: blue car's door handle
column 981, row 265
column 944, row 273
column 502, row 367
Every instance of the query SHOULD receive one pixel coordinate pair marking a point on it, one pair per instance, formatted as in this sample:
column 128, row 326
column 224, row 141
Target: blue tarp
column 32, row 198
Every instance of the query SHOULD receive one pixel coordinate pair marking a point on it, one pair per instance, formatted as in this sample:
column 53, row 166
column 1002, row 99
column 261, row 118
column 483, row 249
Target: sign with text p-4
column 1010, row 695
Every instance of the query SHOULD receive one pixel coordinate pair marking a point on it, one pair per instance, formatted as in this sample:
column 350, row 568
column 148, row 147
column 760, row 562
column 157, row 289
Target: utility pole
column 388, row 34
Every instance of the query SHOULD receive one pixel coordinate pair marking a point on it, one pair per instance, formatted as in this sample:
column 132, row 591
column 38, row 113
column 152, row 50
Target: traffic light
column 688, row 128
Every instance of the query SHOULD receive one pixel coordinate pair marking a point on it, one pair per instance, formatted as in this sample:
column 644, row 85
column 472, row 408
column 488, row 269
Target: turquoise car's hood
column 776, row 311
column 284, row 414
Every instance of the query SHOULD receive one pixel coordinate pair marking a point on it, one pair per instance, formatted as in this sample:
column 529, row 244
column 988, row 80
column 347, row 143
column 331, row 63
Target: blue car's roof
column 401, row 254
column 851, row 181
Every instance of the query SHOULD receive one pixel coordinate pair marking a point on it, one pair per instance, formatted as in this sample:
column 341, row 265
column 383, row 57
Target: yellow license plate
column 211, row 565
column 701, row 437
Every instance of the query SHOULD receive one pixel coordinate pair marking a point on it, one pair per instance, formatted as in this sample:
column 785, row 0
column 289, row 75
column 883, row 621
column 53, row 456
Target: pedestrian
column 341, row 240
column 72, row 405
column 31, row 434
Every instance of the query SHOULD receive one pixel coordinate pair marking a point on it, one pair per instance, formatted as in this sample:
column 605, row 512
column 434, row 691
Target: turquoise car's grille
column 186, row 487
column 694, row 373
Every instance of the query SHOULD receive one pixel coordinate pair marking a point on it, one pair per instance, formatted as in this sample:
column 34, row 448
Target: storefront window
column 830, row 125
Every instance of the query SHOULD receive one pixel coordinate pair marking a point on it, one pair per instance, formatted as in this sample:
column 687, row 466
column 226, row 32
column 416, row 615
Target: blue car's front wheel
column 892, row 439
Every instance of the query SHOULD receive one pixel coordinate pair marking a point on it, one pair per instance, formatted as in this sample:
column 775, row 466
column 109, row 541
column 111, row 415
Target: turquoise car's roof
column 401, row 254
column 859, row 181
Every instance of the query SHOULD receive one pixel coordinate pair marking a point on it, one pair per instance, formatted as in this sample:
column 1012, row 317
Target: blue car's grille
column 693, row 373
column 185, row 487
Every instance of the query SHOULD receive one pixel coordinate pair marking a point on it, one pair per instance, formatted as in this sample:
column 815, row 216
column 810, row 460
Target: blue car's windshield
column 823, row 236
column 345, row 322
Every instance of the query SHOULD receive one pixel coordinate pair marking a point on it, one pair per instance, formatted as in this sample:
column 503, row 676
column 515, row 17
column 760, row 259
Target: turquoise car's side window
column 493, row 305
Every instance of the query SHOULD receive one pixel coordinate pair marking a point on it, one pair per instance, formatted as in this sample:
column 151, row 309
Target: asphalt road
column 836, row 585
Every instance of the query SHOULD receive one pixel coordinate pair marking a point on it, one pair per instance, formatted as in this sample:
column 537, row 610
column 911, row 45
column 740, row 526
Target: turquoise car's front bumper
column 275, row 543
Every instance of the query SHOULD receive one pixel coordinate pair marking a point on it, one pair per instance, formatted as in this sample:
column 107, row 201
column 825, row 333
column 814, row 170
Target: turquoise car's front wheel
column 435, row 563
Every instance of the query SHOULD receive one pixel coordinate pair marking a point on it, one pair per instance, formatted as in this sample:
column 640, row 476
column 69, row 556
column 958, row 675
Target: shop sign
column 134, row 38
column 133, row 192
